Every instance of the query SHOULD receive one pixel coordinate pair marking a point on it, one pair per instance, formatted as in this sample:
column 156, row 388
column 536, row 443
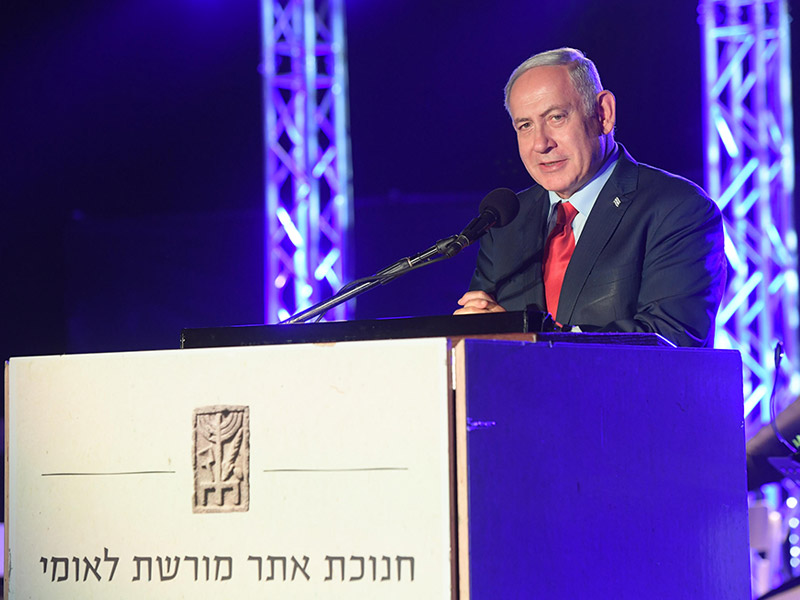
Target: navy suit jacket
column 649, row 259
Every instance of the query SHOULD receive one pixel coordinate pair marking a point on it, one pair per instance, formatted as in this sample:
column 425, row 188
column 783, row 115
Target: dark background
column 131, row 173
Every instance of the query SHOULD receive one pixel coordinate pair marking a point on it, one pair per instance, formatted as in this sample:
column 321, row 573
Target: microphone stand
column 390, row 273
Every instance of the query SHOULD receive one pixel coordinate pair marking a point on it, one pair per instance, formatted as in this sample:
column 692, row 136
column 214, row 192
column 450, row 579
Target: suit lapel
column 607, row 212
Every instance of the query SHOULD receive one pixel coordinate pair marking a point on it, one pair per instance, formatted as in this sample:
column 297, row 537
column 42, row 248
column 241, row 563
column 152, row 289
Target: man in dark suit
column 643, row 249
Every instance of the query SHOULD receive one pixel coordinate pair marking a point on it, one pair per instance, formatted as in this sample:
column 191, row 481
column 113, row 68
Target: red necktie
column 557, row 252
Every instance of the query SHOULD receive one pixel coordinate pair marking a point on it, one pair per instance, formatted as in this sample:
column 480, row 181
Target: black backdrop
column 131, row 170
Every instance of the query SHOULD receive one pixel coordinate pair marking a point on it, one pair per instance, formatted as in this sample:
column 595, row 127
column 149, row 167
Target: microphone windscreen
column 503, row 202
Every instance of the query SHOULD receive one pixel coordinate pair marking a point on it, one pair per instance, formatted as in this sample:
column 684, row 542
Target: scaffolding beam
column 749, row 171
column 308, row 189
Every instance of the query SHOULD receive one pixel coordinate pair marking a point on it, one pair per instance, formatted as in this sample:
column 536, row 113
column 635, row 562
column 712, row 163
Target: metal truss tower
column 749, row 167
column 307, row 177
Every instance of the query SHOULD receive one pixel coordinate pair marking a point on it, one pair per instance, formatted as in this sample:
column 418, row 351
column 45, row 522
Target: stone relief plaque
column 221, row 459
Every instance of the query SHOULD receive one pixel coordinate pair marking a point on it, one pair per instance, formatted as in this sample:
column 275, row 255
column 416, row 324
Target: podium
column 414, row 468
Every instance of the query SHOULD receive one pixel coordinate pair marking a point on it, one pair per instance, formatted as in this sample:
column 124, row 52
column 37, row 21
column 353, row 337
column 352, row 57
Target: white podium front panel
column 308, row 471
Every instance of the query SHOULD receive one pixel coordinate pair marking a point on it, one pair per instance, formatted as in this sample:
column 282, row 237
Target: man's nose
column 542, row 142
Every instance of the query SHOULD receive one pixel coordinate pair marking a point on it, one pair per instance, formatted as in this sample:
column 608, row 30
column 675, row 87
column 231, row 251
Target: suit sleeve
column 683, row 275
column 483, row 278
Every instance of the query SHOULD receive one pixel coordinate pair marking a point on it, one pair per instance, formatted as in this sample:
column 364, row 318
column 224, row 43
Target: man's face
column 560, row 146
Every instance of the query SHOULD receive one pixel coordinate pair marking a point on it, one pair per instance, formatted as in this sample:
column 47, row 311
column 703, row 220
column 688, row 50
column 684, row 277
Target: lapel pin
column 617, row 202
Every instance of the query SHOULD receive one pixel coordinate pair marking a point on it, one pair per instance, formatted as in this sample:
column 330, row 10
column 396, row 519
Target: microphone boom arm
column 498, row 208
column 390, row 273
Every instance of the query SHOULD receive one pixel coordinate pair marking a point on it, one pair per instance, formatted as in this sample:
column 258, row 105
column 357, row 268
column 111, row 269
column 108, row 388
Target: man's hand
column 476, row 302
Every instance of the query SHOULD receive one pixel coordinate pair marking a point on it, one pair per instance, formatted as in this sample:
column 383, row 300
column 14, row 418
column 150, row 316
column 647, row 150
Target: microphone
column 497, row 209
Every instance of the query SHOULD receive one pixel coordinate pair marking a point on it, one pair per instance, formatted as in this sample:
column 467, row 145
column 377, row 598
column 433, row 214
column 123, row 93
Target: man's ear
column 606, row 111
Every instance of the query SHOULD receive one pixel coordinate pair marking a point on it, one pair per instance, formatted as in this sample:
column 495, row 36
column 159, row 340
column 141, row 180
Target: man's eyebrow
column 544, row 113
column 554, row 108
